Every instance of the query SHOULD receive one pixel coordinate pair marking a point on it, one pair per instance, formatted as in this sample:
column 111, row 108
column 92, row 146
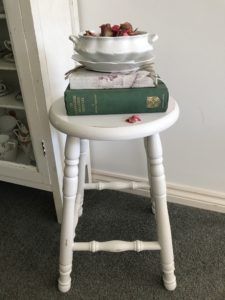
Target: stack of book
column 94, row 93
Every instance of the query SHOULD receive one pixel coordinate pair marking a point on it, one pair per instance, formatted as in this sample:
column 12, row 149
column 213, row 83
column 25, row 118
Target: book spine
column 114, row 101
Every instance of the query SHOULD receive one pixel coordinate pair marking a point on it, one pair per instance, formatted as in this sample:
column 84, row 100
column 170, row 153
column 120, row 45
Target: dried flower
column 89, row 33
column 133, row 119
column 115, row 28
column 124, row 29
column 106, row 30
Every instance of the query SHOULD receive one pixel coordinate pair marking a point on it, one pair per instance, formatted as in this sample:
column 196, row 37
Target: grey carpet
column 29, row 244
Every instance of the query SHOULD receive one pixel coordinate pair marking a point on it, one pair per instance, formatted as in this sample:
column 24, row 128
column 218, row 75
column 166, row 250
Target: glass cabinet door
column 15, row 138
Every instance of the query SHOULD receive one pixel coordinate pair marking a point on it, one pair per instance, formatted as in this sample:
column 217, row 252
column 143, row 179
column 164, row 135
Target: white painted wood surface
column 26, row 63
column 39, row 33
column 180, row 194
column 112, row 127
column 158, row 194
column 116, row 246
column 70, row 183
column 116, row 185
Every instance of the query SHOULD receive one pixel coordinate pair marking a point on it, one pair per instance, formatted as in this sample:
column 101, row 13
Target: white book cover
column 81, row 78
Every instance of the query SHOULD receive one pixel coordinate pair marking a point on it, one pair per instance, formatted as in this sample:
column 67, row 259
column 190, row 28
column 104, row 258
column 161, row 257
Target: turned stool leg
column 149, row 174
column 70, row 184
column 158, row 190
column 78, row 209
column 84, row 149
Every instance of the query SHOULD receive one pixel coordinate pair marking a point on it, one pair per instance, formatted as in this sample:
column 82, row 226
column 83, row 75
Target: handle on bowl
column 22, row 128
column 153, row 37
column 16, row 132
column 74, row 39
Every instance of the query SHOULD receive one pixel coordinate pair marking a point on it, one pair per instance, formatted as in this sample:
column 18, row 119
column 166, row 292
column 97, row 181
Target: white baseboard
column 185, row 195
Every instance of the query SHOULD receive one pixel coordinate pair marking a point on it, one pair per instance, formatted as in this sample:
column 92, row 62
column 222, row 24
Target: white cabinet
column 39, row 32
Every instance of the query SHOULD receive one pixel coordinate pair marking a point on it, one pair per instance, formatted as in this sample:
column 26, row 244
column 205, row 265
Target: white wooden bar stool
column 79, row 130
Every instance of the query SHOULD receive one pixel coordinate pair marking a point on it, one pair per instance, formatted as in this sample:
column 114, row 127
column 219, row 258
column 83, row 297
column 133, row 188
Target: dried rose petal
column 89, row 33
column 106, row 30
column 136, row 32
column 137, row 117
column 133, row 119
column 126, row 27
column 115, row 28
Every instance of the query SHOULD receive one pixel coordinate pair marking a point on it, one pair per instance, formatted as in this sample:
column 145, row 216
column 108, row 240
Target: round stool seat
column 112, row 127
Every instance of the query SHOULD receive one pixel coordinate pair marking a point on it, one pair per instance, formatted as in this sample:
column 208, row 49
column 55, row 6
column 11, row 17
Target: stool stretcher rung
column 116, row 185
column 116, row 246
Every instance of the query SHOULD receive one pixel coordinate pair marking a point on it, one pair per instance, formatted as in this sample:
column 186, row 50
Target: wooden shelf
column 5, row 65
column 10, row 101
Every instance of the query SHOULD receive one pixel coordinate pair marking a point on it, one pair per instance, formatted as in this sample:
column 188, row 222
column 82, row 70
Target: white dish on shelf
column 7, row 124
column 4, row 89
column 8, row 148
column 112, row 66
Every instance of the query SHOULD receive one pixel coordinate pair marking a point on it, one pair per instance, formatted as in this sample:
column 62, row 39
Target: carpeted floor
column 29, row 244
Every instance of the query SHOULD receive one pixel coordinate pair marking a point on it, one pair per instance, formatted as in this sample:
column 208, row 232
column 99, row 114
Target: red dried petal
column 106, row 30
column 136, row 117
column 126, row 27
column 115, row 28
column 133, row 119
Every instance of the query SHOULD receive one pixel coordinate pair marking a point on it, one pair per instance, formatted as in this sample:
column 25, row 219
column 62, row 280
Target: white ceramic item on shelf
column 8, row 45
column 3, row 87
column 7, row 124
column 114, row 49
column 24, row 139
column 112, row 66
column 22, row 128
column 8, row 148
column 4, row 138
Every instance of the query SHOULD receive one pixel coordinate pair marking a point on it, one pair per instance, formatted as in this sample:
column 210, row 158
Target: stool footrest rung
column 116, row 185
column 116, row 246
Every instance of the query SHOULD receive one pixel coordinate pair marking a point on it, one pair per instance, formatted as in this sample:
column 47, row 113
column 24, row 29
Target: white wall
column 190, row 57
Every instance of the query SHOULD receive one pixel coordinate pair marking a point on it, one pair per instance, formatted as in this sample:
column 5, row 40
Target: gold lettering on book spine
column 82, row 104
column 153, row 102
column 75, row 104
column 78, row 105
column 95, row 104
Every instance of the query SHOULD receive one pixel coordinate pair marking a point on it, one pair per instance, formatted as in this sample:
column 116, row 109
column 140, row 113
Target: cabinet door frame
column 25, row 58
column 41, row 84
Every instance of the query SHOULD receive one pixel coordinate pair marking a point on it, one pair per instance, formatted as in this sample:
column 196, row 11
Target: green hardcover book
column 116, row 101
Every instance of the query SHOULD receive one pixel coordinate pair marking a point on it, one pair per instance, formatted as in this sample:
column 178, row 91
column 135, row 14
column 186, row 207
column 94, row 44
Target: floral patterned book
column 82, row 78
